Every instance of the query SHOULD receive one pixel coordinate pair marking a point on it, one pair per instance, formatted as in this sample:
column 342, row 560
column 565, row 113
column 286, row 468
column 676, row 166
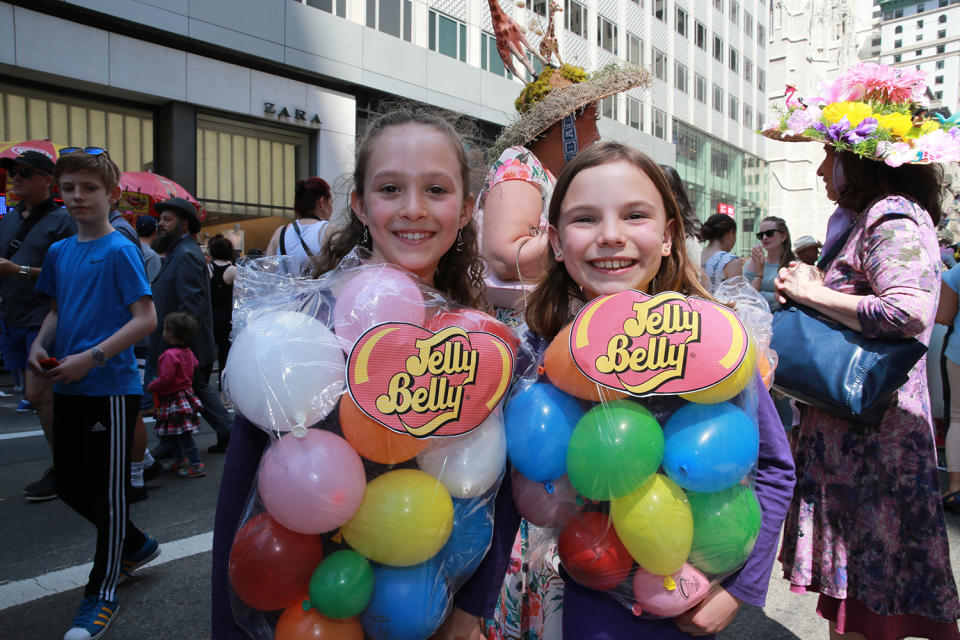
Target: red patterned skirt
column 178, row 413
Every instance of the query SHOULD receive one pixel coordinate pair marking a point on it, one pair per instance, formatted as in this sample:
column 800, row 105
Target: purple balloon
column 541, row 507
column 311, row 484
column 375, row 294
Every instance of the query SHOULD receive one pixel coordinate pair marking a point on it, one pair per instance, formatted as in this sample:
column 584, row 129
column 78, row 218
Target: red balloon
column 592, row 553
column 473, row 320
column 297, row 624
column 270, row 566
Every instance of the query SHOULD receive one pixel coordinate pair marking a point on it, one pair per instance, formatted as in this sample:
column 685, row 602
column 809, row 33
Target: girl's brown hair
column 786, row 254
column 548, row 309
column 181, row 325
column 460, row 271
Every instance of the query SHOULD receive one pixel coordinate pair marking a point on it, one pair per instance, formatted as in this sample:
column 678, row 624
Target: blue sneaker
column 24, row 407
column 92, row 619
column 147, row 553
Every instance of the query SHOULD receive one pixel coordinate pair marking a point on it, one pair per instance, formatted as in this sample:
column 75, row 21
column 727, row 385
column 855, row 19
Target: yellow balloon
column 405, row 519
column 732, row 385
column 655, row 524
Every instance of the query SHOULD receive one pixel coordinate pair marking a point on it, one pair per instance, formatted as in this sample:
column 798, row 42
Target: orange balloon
column 374, row 441
column 766, row 371
column 297, row 624
column 564, row 374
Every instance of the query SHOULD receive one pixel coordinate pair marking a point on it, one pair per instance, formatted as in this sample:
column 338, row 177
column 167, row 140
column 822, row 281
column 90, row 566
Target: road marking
column 23, row 591
column 21, row 434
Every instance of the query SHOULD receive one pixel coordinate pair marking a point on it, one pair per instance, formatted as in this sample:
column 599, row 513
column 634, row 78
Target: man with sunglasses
column 26, row 233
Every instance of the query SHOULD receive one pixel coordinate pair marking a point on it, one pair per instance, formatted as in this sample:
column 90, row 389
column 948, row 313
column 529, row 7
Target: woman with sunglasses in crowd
column 775, row 242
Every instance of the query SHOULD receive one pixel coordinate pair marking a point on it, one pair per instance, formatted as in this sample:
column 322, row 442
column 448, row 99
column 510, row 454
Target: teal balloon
column 614, row 449
column 725, row 527
column 342, row 585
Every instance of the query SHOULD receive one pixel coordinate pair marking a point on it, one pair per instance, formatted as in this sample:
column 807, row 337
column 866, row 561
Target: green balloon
column 341, row 585
column 613, row 450
column 725, row 527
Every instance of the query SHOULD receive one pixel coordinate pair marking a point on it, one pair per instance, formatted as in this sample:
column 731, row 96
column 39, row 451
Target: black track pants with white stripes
column 91, row 461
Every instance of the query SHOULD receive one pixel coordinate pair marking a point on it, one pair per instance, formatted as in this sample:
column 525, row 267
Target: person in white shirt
column 302, row 239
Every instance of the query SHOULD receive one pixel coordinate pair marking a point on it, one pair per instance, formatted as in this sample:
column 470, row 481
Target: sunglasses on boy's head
column 93, row 151
column 765, row 234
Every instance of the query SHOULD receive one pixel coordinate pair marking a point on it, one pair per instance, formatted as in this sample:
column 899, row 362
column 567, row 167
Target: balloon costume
column 374, row 501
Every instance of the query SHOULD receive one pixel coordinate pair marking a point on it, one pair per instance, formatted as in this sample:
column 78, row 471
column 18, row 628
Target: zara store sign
column 290, row 115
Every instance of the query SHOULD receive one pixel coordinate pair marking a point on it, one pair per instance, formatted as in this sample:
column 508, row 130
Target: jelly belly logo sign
column 421, row 383
column 660, row 345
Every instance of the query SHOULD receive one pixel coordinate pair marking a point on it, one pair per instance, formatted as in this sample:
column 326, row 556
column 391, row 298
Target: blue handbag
column 829, row 366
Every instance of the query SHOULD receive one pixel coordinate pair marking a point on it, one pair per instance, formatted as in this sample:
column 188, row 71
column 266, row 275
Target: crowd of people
column 561, row 219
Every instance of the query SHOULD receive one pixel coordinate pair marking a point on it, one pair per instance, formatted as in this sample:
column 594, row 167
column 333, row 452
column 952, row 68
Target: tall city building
column 236, row 100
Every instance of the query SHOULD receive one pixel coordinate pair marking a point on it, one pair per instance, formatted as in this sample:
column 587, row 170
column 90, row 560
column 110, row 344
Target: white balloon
column 468, row 465
column 286, row 370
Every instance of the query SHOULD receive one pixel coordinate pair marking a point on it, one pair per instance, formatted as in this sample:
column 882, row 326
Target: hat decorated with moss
column 874, row 111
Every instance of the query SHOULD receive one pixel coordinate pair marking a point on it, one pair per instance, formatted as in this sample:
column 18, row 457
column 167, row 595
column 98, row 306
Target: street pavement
column 44, row 547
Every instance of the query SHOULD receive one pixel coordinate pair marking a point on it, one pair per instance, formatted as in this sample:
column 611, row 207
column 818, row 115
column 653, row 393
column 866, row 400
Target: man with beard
column 183, row 284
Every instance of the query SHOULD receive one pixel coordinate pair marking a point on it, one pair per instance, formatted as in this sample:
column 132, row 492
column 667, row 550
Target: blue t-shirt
column 952, row 351
column 94, row 283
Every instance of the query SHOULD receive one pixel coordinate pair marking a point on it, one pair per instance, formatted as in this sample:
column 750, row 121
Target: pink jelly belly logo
column 415, row 381
column 661, row 345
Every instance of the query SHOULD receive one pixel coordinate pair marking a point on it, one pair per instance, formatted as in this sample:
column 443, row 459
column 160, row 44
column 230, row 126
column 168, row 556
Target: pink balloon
column 312, row 484
column 375, row 294
column 540, row 507
column 671, row 595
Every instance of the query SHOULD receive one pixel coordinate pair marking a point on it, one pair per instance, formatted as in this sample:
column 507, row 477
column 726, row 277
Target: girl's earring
column 366, row 236
column 559, row 255
column 460, row 239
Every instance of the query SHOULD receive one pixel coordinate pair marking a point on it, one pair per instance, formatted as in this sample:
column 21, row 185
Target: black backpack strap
column 25, row 228
column 303, row 244
column 283, row 244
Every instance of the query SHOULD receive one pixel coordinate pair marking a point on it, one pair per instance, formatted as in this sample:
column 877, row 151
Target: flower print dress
column 866, row 527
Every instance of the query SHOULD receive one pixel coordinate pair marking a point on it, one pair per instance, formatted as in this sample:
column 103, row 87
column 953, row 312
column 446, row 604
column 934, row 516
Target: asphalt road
column 42, row 545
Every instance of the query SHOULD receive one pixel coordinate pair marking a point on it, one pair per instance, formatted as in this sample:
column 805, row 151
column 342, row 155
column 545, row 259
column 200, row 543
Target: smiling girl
column 614, row 225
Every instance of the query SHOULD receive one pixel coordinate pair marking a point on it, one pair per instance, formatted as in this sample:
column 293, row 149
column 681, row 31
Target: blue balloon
column 709, row 447
column 539, row 420
column 408, row 603
column 471, row 535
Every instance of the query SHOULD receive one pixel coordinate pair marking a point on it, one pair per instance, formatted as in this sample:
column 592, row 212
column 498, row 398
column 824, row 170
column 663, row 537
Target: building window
column 943, row 3
column 608, row 107
column 941, row 48
column 748, row 24
column 719, row 162
column 717, row 49
column 735, row 12
column 391, row 16
column 898, row 29
column 747, row 115
column 918, row 52
column 448, row 36
column 748, row 70
column 897, row 57
column 660, row 64
column 938, row 95
column 734, row 109
column 489, row 58
column 681, row 22
column 701, row 36
column 717, row 98
column 760, row 121
column 734, row 60
column 680, row 77
column 576, row 17
column 718, row 5
column 761, row 80
column 919, row 37
column 761, row 35
column 634, row 113
column 942, row 19
column 919, row 22
column 942, row 33
column 700, row 88
column 607, row 35
column 940, row 64
column 938, row 80
column 327, row 5
column 540, row 7
column 659, row 8
column 634, row 50
column 660, row 124
column 898, row 13
column 897, row 44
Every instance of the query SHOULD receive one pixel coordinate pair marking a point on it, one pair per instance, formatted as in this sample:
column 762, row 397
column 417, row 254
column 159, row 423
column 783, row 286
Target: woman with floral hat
column 866, row 528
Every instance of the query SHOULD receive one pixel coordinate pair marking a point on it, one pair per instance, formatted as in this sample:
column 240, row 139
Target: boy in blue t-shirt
column 101, row 306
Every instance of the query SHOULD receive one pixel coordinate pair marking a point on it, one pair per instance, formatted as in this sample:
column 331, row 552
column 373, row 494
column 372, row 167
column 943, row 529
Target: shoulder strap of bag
column 835, row 248
column 303, row 244
column 283, row 244
column 25, row 228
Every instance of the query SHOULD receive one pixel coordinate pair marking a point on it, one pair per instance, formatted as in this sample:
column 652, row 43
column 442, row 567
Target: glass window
column 634, row 113
column 717, row 98
column 898, row 13
column 918, row 52
column 748, row 24
column 761, row 80
column 391, row 17
column 701, row 36
column 327, row 5
column 898, row 28
column 660, row 124
column 717, row 49
column 760, row 121
column 540, row 7
column 919, row 37
column 941, row 48
column 734, row 110
column 734, row 60
column 719, row 162
column 718, row 5
column 681, row 22
column 748, row 70
column 660, row 64
column 490, row 58
column 608, row 107
column 919, row 22
column 448, row 36
column 576, row 17
column 634, row 50
column 897, row 44
column 735, row 12
column 942, row 19
column 680, row 77
column 938, row 95
column 761, row 36
column 700, row 88
column 940, row 64
column 747, row 114
column 938, row 80
column 942, row 33
column 659, row 8
column 897, row 57
column 607, row 35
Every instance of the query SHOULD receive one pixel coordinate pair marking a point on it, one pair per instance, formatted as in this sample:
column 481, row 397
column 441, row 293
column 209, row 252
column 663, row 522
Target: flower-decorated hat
column 874, row 111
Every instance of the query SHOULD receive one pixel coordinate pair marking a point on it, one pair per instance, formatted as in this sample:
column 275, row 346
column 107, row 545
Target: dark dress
column 221, row 297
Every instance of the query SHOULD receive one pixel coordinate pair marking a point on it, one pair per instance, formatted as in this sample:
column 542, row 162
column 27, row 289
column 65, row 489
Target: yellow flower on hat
column 928, row 126
column 854, row 111
column 899, row 124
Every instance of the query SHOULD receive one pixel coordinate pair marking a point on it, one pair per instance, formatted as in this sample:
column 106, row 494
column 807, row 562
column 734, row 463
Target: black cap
column 146, row 225
column 184, row 210
column 32, row 159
